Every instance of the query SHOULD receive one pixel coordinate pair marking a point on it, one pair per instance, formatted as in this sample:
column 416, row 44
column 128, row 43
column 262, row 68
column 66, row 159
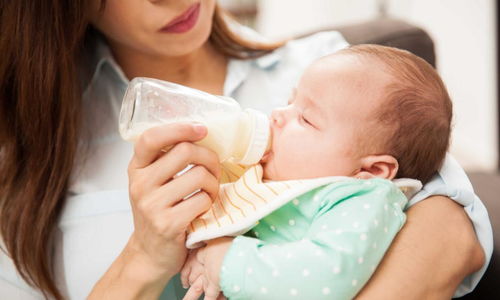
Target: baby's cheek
column 290, row 164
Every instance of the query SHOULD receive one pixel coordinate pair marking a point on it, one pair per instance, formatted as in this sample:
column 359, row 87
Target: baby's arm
column 337, row 256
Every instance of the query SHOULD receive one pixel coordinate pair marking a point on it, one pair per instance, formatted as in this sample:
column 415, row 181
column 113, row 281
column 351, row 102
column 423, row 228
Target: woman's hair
column 41, row 43
column 232, row 44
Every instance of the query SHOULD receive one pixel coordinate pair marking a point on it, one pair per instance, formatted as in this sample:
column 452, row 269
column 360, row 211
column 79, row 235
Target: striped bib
column 242, row 203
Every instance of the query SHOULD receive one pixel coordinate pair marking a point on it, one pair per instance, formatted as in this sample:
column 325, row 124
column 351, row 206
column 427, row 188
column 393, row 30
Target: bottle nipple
column 259, row 141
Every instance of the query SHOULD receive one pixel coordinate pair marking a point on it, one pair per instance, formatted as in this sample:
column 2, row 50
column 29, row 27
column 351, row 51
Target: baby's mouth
column 265, row 157
column 269, row 148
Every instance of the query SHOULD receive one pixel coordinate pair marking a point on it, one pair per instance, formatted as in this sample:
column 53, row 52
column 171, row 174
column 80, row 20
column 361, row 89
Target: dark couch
column 399, row 34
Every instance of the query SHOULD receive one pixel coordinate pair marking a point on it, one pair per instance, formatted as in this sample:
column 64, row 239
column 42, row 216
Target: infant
column 358, row 119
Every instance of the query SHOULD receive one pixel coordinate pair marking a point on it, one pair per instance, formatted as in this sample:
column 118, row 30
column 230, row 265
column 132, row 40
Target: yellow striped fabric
column 242, row 203
column 240, row 199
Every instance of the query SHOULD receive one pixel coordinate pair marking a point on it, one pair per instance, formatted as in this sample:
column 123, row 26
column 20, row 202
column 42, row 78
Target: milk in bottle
column 240, row 135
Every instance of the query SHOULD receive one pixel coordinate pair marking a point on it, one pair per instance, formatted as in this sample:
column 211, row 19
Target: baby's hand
column 202, row 269
column 192, row 270
column 193, row 276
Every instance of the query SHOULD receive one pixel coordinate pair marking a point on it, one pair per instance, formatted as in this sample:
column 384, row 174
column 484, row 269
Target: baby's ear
column 382, row 166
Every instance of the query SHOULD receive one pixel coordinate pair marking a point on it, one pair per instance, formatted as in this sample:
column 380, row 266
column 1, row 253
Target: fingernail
column 199, row 128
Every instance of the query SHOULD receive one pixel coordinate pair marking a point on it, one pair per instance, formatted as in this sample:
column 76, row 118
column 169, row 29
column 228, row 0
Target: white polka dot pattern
column 329, row 255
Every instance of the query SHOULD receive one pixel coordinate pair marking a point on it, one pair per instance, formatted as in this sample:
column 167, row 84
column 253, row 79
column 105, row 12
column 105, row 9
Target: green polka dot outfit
column 324, row 244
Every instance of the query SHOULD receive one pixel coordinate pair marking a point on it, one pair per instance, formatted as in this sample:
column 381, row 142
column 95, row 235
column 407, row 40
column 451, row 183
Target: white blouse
column 96, row 221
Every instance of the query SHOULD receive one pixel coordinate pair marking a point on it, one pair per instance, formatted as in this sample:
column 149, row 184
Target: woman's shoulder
column 314, row 46
column 303, row 51
column 306, row 47
column 265, row 82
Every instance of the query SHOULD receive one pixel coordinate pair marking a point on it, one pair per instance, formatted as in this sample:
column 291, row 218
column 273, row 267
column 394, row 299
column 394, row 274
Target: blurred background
column 464, row 35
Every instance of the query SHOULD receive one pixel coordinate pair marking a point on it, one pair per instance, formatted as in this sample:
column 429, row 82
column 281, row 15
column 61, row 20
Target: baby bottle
column 240, row 135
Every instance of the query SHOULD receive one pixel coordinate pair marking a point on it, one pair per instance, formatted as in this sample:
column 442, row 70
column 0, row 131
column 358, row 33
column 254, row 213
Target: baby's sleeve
column 351, row 230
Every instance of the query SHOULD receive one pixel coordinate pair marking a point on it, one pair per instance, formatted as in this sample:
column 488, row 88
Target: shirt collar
column 238, row 70
column 264, row 62
column 102, row 57
column 269, row 61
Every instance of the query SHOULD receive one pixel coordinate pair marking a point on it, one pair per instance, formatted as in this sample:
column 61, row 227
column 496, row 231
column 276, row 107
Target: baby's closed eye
column 308, row 121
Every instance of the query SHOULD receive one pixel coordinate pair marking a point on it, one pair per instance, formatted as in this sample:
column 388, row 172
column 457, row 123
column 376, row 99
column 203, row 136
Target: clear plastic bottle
column 233, row 133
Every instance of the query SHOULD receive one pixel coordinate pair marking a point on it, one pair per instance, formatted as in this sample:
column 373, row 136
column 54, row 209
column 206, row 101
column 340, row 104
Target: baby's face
column 329, row 112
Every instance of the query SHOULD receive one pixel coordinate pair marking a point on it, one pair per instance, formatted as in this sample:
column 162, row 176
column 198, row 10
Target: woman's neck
column 204, row 69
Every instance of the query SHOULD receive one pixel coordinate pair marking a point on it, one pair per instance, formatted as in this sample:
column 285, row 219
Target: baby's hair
column 416, row 112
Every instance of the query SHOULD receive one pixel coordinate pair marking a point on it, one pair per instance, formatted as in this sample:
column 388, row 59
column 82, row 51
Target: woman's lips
column 184, row 22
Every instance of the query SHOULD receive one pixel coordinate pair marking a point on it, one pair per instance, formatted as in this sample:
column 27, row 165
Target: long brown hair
column 40, row 92
column 231, row 44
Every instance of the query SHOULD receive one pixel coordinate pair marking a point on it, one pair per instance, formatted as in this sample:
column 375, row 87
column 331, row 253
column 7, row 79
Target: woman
column 65, row 218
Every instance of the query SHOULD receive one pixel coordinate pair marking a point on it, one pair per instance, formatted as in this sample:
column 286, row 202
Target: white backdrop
column 464, row 35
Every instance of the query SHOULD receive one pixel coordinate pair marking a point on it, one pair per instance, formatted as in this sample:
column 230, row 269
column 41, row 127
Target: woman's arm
column 131, row 276
column 431, row 255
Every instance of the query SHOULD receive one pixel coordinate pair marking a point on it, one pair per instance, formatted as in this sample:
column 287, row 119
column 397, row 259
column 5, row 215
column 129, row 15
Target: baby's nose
column 277, row 118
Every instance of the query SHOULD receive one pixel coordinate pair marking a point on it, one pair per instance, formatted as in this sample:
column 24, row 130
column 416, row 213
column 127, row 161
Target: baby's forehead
column 339, row 73
column 344, row 84
column 354, row 62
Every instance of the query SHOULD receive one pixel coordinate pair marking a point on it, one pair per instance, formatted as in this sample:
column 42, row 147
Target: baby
column 367, row 113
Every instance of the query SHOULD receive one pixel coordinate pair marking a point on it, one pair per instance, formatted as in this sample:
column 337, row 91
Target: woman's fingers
column 197, row 183
column 190, row 208
column 180, row 156
column 195, row 290
column 174, row 191
column 197, row 178
column 153, row 140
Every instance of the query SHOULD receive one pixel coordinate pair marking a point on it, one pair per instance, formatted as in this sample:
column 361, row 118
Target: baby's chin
column 270, row 174
column 268, row 171
column 266, row 174
column 264, row 162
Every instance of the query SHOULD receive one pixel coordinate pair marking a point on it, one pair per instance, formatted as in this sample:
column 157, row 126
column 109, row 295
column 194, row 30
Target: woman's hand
column 156, row 251
column 435, row 250
column 161, row 216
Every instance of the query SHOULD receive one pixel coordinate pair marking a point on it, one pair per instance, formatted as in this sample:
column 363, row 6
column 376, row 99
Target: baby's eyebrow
column 311, row 103
column 316, row 108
